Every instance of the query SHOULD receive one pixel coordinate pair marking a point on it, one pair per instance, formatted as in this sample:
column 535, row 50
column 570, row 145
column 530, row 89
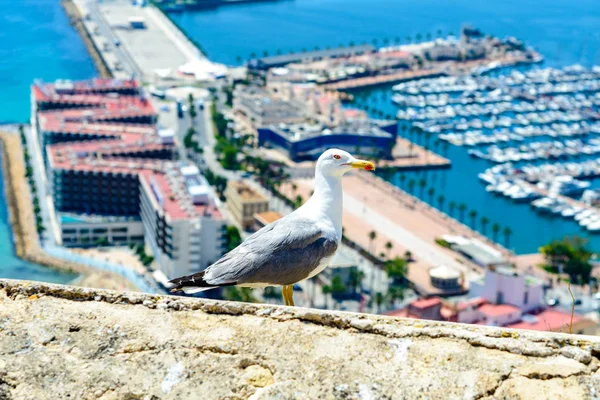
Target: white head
column 335, row 162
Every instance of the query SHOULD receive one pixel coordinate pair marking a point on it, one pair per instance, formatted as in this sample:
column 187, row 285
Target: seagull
column 291, row 249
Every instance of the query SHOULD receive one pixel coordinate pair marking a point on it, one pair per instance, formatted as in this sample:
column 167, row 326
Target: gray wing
column 282, row 253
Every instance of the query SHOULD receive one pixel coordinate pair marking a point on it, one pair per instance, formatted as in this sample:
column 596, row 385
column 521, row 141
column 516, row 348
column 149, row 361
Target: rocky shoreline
column 22, row 220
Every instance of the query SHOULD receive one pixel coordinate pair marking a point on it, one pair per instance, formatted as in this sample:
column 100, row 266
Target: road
column 52, row 234
column 115, row 53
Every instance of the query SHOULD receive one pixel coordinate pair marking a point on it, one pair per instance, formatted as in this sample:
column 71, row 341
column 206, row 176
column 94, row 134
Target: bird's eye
column 336, row 156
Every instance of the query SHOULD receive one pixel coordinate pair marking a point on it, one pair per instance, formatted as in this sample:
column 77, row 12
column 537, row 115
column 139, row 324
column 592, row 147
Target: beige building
column 244, row 202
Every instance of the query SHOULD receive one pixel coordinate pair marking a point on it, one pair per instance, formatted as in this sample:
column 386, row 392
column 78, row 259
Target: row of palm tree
column 386, row 41
column 453, row 206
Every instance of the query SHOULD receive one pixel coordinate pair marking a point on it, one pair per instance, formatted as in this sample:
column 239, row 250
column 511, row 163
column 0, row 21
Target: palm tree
column 495, row 229
column 238, row 59
column 439, row 33
column 472, row 215
column 411, row 185
column 407, row 256
column 374, row 41
column 266, row 53
column 441, row 200
column 452, row 206
column 430, row 193
column 372, row 237
column 408, row 39
column 397, row 40
column 484, row 221
column 388, row 247
column 401, row 178
column 428, row 36
column 253, row 55
column 422, row 184
column 507, row 232
column 378, row 300
column 418, row 37
column 461, row 210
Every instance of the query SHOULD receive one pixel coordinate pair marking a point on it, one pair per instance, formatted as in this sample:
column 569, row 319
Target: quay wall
column 181, row 33
column 75, row 16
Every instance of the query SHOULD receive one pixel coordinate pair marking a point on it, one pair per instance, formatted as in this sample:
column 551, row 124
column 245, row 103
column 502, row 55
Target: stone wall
column 59, row 342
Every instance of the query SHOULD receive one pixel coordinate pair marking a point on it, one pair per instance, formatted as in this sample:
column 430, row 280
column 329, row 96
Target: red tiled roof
column 172, row 206
column 476, row 302
column 494, row 310
column 105, row 155
column 426, row 303
column 547, row 320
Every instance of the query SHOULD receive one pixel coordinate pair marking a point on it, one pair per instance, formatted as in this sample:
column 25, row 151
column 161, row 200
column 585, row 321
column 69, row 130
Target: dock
column 149, row 53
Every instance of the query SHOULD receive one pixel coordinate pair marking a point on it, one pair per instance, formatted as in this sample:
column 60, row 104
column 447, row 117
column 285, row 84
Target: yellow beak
column 362, row 164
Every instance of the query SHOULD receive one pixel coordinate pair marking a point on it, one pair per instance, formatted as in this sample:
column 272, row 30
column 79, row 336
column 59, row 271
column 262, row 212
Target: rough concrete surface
column 59, row 342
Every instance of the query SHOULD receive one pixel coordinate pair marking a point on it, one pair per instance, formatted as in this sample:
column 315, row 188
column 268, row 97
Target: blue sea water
column 36, row 41
column 564, row 31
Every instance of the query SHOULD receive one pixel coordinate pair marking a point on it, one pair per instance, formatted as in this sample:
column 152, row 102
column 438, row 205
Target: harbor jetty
column 95, row 53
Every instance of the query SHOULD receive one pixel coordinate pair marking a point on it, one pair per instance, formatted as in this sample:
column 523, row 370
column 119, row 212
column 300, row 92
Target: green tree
column 572, row 255
column 484, row 221
column 472, row 216
column 430, row 193
column 441, row 199
column 394, row 293
column 422, row 184
column 389, row 246
column 372, row 237
column 452, row 206
column 272, row 293
column 244, row 294
column 355, row 278
column 232, row 237
column 402, row 178
column 507, row 232
column 298, row 201
column 396, row 269
column 495, row 230
column 379, row 298
column 462, row 207
column 408, row 256
column 411, row 185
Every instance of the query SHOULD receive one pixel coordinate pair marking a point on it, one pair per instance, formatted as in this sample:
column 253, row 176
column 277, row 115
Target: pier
column 150, row 53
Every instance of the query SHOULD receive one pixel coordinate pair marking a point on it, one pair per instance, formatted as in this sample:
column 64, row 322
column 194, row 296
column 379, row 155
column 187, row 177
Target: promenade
column 434, row 70
column 372, row 204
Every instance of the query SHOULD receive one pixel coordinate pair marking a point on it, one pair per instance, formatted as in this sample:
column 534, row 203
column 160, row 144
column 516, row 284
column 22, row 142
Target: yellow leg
column 284, row 294
column 290, row 290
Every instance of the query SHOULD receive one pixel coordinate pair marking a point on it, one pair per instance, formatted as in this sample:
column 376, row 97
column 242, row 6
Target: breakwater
column 76, row 20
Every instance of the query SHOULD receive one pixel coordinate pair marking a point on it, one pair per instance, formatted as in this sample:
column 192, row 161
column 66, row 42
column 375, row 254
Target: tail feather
column 193, row 284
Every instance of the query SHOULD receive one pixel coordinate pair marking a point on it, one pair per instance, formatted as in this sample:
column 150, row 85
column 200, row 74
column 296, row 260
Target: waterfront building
column 182, row 225
column 114, row 179
column 80, row 230
column 306, row 142
column 259, row 107
column 265, row 63
column 244, row 202
column 504, row 285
